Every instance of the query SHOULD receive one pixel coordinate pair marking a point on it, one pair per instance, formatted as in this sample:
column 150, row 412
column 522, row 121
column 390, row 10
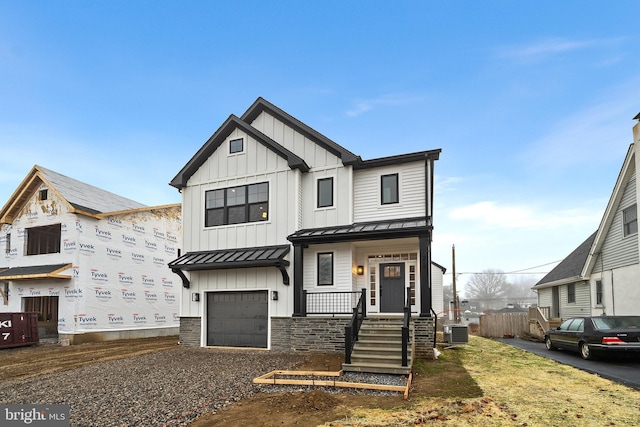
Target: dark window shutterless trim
column 389, row 189
column 325, row 192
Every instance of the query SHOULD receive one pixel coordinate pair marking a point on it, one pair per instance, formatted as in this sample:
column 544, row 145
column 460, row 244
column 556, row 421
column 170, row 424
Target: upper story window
column 7, row 248
column 44, row 194
column 599, row 292
column 325, row 192
column 43, row 240
column 389, row 189
column 237, row 205
column 236, row 146
column 630, row 220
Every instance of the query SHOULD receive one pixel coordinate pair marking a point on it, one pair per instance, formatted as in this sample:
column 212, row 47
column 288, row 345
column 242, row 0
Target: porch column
column 299, row 309
column 425, row 275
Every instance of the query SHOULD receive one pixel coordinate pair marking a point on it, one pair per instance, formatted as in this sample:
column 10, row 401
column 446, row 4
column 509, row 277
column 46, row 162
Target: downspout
column 613, row 296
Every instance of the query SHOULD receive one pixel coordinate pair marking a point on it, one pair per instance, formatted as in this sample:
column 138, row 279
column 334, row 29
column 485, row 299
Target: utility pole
column 455, row 291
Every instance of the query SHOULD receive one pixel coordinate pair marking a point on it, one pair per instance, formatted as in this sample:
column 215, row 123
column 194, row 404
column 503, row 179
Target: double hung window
column 630, row 220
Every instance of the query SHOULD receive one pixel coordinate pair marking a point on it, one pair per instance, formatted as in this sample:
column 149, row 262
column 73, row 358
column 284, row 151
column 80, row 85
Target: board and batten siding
column 618, row 251
column 411, row 186
column 313, row 154
column 342, row 268
column 257, row 164
column 241, row 279
column 582, row 306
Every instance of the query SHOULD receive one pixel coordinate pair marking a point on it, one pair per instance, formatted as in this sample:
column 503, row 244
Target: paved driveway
column 623, row 370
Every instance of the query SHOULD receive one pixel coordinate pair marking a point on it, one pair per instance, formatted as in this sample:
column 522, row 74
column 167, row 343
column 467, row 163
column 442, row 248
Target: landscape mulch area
column 156, row 382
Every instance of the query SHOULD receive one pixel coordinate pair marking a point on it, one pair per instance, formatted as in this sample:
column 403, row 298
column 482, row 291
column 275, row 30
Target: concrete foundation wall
column 118, row 335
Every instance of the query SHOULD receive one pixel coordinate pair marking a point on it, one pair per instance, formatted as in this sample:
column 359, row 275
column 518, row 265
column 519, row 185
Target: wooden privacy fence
column 504, row 324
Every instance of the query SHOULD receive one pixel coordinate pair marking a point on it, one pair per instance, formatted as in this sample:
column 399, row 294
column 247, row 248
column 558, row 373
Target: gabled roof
column 626, row 172
column 245, row 124
column 570, row 269
column 261, row 104
column 219, row 136
column 81, row 198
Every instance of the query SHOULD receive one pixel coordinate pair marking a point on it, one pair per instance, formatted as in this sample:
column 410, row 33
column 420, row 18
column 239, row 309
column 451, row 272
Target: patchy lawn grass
column 506, row 386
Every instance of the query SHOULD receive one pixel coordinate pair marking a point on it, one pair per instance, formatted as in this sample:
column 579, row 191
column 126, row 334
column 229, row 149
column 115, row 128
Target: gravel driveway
column 170, row 388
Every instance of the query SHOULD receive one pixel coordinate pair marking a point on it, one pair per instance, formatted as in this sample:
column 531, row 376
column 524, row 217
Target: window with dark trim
column 599, row 292
column 630, row 220
column 571, row 293
column 325, row 192
column 237, row 205
column 43, row 240
column 236, row 146
column 389, row 189
column 325, row 268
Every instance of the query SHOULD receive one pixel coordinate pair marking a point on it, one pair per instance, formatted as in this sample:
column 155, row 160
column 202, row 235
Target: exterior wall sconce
column 274, row 295
column 360, row 270
column 195, row 297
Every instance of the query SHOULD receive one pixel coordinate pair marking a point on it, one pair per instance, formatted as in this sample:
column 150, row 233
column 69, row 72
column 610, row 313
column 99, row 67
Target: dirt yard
column 264, row 409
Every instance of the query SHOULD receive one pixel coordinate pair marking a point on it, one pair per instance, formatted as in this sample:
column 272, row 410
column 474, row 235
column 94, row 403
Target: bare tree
column 489, row 287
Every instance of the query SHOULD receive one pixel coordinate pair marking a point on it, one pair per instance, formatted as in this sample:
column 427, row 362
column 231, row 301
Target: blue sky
column 530, row 102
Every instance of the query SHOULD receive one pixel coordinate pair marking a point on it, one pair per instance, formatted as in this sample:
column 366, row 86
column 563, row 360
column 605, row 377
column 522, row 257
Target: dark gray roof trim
column 637, row 117
column 212, row 144
column 377, row 230
column 41, row 271
column 401, row 158
column 261, row 104
column 571, row 266
column 265, row 256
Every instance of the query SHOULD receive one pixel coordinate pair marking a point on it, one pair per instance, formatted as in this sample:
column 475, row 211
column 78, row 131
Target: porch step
column 379, row 348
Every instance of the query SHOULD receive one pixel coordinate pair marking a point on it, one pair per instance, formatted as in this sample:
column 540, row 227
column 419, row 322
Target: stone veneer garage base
column 314, row 334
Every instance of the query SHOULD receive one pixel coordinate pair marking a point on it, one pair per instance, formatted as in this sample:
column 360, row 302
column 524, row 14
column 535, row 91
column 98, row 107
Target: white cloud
column 491, row 214
column 547, row 48
column 391, row 100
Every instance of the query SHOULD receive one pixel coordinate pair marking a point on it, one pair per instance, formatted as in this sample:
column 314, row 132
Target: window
column 325, row 192
column 43, row 240
column 236, row 146
column 630, row 220
column 571, row 293
column 237, row 205
column 7, row 248
column 44, row 194
column 389, row 193
column 599, row 292
column 325, row 269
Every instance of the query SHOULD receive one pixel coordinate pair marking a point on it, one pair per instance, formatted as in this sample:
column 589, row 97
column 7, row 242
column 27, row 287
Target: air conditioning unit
column 456, row 334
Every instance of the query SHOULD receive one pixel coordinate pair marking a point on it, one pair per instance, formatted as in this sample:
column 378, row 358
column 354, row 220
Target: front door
column 392, row 287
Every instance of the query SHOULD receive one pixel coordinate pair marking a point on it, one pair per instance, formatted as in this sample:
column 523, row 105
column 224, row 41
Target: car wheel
column 549, row 344
column 585, row 352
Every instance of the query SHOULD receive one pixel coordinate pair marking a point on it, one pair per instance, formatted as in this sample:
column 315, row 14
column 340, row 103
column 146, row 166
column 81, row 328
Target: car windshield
column 625, row 322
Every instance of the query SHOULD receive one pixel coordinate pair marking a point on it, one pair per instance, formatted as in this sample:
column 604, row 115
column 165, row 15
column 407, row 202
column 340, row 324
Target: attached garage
column 237, row 319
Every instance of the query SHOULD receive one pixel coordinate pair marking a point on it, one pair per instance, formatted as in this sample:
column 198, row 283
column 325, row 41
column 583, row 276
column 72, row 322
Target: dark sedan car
column 593, row 336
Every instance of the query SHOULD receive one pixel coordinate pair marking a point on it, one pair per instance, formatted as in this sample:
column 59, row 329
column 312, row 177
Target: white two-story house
column 92, row 264
column 600, row 277
column 286, row 230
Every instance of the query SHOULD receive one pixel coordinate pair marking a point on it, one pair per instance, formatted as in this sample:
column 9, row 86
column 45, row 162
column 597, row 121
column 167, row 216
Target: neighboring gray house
column 283, row 228
column 91, row 263
column 601, row 275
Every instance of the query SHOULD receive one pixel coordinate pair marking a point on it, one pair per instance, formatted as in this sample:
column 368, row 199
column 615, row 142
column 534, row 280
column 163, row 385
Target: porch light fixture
column 195, row 297
column 360, row 270
column 274, row 295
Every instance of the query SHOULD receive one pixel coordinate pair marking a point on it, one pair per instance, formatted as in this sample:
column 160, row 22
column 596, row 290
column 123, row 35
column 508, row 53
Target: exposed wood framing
column 324, row 380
